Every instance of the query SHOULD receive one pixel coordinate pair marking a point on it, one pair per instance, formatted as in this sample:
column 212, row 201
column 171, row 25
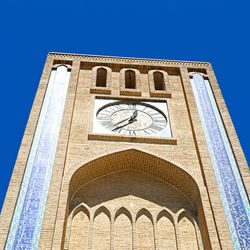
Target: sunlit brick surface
column 111, row 193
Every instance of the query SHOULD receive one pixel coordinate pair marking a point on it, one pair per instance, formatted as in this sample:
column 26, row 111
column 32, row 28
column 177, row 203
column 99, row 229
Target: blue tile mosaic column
column 28, row 216
column 230, row 185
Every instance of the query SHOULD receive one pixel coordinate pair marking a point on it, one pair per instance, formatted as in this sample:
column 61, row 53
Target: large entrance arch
column 133, row 200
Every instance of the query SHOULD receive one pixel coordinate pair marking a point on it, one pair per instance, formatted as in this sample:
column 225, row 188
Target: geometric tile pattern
column 28, row 216
column 230, row 185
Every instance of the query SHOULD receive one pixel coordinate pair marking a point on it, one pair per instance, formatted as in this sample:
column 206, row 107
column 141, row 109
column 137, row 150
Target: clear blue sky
column 213, row 31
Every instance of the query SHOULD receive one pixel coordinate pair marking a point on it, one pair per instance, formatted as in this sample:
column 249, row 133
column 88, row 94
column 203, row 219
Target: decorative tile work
column 232, row 191
column 28, row 217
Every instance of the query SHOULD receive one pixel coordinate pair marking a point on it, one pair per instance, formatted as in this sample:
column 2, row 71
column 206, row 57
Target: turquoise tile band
column 28, row 216
column 230, row 185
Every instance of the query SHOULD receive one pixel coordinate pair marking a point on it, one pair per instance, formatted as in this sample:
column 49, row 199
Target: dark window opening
column 159, row 81
column 130, row 79
column 101, row 77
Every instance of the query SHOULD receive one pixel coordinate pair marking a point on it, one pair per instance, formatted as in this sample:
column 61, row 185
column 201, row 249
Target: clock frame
column 131, row 118
column 110, row 120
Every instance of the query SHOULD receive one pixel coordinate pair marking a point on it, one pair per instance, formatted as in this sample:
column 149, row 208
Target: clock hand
column 129, row 122
column 120, row 127
column 121, row 121
column 131, row 118
column 135, row 114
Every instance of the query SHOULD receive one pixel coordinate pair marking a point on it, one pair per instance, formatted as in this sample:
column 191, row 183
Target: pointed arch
column 102, row 209
column 123, row 229
column 136, row 160
column 166, row 230
column 101, row 229
column 145, row 212
column 83, row 208
column 143, row 162
column 123, row 210
column 184, row 212
column 165, row 212
column 79, row 231
column 187, row 231
column 144, row 230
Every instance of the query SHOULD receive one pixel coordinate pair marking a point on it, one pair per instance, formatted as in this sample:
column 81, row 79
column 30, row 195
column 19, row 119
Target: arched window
column 159, row 81
column 130, row 79
column 130, row 82
column 101, row 77
column 101, row 80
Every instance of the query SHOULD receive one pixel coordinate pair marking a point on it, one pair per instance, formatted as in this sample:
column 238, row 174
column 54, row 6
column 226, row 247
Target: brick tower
column 127, row 153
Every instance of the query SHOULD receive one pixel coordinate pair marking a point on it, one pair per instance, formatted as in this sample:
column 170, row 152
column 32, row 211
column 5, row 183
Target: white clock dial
column 131, row 118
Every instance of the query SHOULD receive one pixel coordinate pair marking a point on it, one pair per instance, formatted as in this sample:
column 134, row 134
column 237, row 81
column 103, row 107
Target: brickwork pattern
column 133, row 203
column 185, row 165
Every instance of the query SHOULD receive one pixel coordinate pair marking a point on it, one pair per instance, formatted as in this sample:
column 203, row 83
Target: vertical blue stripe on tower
column 28, row 216
column 230, row 185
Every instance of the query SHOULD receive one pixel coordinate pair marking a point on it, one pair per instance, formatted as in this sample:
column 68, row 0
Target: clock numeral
column 113, row 108
column 133, row 133
column 123, row 131
column 153, row 114
column 105, row 113
column 103, row 117
column 123, row 106
column 155, row 127
column 119, row 130
column 132, row 112
column 107, row 124
column 131, row 105
column 110, row 109
column 146, row 132
column 162, row 120
column 119, row 107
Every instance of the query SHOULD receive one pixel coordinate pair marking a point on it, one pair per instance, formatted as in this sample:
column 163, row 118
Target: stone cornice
column 113, row 59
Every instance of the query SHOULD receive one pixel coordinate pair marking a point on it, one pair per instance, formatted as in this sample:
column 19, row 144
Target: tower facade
column 126, row 153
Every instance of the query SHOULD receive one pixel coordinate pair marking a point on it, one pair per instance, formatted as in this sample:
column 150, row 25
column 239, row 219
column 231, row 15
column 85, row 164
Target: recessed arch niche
column 132, row 190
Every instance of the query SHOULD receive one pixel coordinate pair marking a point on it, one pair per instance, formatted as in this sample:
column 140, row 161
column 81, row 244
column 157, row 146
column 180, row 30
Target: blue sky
column 213, row 31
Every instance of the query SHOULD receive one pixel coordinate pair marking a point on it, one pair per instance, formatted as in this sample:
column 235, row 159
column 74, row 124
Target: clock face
column 131, row 118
